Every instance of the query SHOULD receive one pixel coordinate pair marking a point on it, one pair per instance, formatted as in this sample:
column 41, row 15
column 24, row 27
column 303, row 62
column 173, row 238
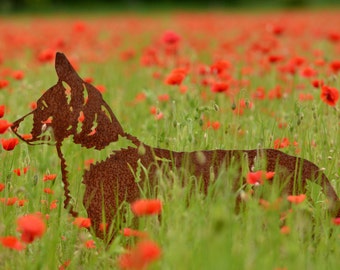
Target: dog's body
column 74, row 108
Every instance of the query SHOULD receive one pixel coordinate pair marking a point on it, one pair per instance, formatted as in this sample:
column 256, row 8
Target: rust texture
column 111, row 182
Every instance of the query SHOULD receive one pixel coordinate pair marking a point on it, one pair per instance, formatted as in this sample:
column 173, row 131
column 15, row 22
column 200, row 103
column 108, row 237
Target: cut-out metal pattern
column 75, row 109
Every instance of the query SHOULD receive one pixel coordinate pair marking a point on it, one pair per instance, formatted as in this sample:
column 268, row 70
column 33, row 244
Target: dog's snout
column 15, row 125
column 23, row 126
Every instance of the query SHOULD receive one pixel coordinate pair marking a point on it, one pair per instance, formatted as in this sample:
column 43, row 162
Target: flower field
column 185, row 82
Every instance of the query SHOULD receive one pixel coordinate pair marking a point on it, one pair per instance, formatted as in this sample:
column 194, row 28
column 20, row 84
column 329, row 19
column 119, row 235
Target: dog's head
column 71, row 107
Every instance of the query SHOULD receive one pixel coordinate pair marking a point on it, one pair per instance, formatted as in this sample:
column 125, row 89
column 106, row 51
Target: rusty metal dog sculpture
column 111, row 182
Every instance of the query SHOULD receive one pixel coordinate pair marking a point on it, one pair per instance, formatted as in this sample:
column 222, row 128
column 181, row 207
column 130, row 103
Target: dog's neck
column 75, row 159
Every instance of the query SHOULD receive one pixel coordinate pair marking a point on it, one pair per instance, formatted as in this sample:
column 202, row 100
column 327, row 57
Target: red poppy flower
column 101, row 88
column 2, row 186
column 260, row 93
column 215, row 125
column 335, row 66
column 297, row 61
column 220, row 66
column 53, row 204
column 156, row 75
column 18, row 75
column 90, row 244
column 88, row 162
column 183, row 89
column 18, row 171
column 49, row 177
column 281, row 143
column 49, row 191
column 219, row 87
column 140, row 97
column 9, row 201
column 163, row 98
column 149, row 57
column 79, row 26
column 48, row 120
column 12, row 242
column 285, row 230
column 317, row 83
column 103, row 226
column 46, row 55
column 81, row 117
column 333, row 36
column 296, row 199
column 282, row 124
column 88, row 79
column 336, row 221
column 275, row 58
column 139, row 257
column 258, row 177
column 9, row 144
column 131, row 232
column 127, row 54
column 27, row 137
column 245, row 104
column 308, row 72
column 329, row 95
column 320, row 62
column 2, row 110
column 153, row 110
column 176, row 76
column 31, row 227
column 82, row 222
column 203, row 69
column 159, row 116
column 22, row 202
column 277, row 29
column 170, row 37
column 64, row 265
column 275, row 93
column 3, row 83
column 33, row 105
column 146, row 207
column 4, row 125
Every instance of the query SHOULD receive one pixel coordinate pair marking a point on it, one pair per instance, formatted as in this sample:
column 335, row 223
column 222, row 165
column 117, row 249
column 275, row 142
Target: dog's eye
column 43, row 105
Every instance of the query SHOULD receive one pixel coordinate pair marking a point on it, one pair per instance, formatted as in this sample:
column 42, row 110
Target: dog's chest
column 80, row 159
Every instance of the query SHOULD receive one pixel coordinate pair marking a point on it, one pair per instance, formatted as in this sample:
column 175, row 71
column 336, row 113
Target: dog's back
column 113, row 181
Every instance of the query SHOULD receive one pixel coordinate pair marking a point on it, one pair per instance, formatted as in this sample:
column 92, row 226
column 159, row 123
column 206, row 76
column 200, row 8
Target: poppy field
column 181, row 81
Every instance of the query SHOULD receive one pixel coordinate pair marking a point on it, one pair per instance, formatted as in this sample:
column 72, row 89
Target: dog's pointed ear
column 65, row 71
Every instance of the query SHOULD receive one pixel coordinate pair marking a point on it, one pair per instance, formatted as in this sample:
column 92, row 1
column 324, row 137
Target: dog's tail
column 313, row 172
column 333, row 199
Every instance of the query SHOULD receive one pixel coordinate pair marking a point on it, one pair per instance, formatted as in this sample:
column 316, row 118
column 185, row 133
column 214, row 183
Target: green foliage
column 194, row 232
column 202, row 234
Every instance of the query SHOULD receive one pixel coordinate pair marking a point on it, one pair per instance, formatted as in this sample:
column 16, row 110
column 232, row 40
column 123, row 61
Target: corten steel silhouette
column 111, row 182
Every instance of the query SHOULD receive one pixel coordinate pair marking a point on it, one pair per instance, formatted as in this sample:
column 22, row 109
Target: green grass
column 204, row 233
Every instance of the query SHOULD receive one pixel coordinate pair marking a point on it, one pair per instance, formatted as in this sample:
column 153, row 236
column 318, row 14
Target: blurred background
column 14, row 6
